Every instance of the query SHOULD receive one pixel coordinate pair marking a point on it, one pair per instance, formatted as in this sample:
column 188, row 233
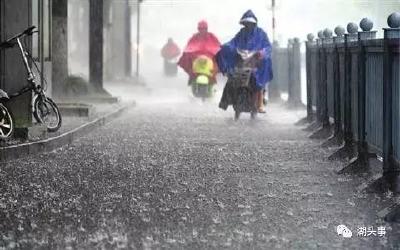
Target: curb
column 23, row 150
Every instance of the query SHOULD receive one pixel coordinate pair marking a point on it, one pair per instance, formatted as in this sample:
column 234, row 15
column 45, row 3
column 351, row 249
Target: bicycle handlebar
column 9, row 42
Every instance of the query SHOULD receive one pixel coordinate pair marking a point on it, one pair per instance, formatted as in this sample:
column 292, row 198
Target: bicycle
column 45, row 109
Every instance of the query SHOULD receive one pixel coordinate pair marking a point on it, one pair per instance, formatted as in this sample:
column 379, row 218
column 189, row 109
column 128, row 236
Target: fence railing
column 353, row 85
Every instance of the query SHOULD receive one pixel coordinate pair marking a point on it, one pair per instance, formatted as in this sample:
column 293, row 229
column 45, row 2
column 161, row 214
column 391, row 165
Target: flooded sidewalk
column 185, row 175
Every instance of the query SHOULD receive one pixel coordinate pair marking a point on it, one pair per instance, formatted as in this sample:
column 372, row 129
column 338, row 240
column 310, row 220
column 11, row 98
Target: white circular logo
column 344, row 231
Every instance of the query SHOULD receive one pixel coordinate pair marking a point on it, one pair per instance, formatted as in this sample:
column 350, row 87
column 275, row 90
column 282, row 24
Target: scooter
column 171, row 66
column 202, row 85
column 241, row 81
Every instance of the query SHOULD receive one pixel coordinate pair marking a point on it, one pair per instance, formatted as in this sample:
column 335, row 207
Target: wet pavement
column 70, row 123
column 176, row 173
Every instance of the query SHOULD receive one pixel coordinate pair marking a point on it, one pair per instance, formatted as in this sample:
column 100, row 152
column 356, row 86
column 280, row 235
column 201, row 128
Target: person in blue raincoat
column 253, row 38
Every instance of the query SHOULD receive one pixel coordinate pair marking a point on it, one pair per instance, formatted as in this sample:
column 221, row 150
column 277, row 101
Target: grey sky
column 178, row 18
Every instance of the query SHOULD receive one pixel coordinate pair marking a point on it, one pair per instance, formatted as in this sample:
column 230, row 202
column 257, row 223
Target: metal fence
column 353, row 84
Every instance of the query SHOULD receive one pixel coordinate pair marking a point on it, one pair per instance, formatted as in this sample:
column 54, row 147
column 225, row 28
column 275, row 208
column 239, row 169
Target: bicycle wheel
column 6, row 123
column 46, row 112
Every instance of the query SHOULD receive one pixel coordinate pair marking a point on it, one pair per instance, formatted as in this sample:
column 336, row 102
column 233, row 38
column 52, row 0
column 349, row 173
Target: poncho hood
column 249, row 17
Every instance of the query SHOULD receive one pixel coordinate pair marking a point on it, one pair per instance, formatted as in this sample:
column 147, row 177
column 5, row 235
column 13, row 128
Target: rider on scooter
column 203, row 43
column 170, row 52
column 251, row 38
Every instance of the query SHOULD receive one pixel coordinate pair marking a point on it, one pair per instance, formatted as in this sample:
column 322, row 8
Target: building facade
column 90, row 38
column 15, row 17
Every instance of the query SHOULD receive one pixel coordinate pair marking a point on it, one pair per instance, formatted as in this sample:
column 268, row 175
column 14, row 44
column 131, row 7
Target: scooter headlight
column 202, row 79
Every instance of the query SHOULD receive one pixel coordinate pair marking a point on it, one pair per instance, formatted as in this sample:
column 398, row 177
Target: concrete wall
column 15, row 17
column 117, row 38
column 96, row 44
column 59, row 45
column 78, row 38
column 118, row 34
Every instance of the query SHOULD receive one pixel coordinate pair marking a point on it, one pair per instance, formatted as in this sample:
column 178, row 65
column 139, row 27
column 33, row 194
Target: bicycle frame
column 31, row 76
column 42, row 107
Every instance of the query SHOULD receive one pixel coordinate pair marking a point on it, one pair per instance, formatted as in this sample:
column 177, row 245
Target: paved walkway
column 180, row 174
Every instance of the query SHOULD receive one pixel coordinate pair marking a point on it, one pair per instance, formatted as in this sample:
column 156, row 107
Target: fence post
column 325, row 131
column 309, row 88
column 294, row 98
column 366, row 25
column 361, row 162
column 317, row 83
column 315, row 48
column 319, row 77
column 337, row 138
column 391, row 40
column 391, row 169
column 339, row 39
column 310, row 42
column 324, row 83
column 328, row 40
column 348, row 150
column 352, row 36
column 274, row 94
column 290, row 68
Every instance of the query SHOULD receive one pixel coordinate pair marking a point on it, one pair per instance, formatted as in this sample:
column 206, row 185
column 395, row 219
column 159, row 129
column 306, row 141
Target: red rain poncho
column 170, row 50
column 201, row 43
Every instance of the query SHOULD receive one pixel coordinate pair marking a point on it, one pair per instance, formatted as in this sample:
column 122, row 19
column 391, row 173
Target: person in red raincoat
column 201, row 43
column 170, row 52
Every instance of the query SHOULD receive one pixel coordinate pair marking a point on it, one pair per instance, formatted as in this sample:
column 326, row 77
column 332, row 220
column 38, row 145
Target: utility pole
column 138, row 36
column 128, row 42
column 273, row 20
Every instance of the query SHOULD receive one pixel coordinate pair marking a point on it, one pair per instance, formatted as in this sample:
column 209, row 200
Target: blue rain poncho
column 255, row 40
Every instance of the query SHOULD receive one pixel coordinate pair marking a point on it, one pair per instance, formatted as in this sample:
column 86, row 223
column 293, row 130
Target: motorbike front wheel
column 46, row 112
column 6, row 123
